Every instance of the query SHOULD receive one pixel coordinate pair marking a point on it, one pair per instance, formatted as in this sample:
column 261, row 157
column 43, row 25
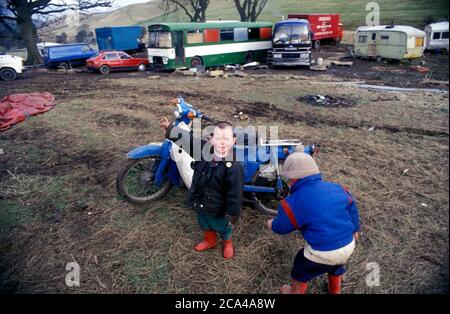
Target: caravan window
column 362, row 39
column 445, row 35
column 436, row 35
column 374, row 36
column 384, row 37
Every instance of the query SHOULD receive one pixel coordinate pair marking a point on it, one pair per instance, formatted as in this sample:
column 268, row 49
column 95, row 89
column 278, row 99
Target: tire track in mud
column 268, row 110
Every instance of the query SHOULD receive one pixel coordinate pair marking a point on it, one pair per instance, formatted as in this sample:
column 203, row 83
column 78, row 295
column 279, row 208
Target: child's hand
column 164, row 123
column 269, row 224
column 356, row 236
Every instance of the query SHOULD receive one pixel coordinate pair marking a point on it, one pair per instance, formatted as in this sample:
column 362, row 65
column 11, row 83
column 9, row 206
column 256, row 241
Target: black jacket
column 217, row 186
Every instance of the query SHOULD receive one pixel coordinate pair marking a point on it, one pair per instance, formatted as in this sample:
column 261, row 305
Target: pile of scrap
column 327, row 101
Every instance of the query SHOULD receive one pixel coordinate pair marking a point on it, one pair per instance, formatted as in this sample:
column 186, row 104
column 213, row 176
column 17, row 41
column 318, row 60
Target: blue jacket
column 324, row 212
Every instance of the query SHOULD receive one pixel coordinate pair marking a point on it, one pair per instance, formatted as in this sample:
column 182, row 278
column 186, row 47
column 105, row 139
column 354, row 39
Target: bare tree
column 249, row 10
column 24, row 13
column 194, row 9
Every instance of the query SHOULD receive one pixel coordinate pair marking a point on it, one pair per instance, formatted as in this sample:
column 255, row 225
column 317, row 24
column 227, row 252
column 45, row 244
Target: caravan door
column 372, row 47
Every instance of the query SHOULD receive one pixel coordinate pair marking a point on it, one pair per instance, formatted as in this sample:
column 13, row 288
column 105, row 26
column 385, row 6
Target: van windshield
column 160, row 40
column 291, row 34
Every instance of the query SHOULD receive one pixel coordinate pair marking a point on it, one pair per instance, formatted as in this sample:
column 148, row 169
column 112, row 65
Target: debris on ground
column 387, row 69
column 239, row 74
column 154, row 77
column 420, row 68
column 216, row 73
column 2, row 152
column 342, row 63
column 327, row 101
column 433, row 82
column 371, row 129
column 401, row 89
column 16, row 108
column 250, row 65
column 317, row 67
column 243, row 116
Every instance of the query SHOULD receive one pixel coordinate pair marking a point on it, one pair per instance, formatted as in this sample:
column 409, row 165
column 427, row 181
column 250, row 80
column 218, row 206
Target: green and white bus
column 175, row 45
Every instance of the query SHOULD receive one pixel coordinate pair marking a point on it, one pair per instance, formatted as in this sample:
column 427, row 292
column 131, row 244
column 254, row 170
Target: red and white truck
column 323, row 26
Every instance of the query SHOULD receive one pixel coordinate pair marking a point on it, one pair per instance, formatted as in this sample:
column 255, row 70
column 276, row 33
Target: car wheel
column 104, row 69
column 8, row 74
column 142, row 67
column 380, row 59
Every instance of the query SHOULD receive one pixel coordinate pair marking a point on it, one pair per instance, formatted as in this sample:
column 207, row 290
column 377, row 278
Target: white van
column 10, row 66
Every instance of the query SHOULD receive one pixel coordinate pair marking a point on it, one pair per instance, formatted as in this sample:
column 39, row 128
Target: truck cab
column 291, row 44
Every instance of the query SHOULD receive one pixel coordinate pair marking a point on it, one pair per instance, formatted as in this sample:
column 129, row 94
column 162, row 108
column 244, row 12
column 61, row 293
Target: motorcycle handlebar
column 206, row 118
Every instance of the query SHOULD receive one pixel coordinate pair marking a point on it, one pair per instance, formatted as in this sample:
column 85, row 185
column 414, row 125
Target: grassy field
column 353, row 13
column 58, row 202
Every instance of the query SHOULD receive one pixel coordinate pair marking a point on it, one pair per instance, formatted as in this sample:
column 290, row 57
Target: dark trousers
column 305, row 270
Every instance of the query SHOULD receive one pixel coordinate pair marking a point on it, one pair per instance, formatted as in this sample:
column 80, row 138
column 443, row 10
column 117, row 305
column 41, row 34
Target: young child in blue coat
column 326, row 215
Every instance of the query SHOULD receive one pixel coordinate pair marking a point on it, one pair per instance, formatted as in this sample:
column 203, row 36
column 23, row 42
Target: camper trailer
column 391, row 42
column 437, row 36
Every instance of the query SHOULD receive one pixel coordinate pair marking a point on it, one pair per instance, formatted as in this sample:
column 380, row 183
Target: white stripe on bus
column 209, row 50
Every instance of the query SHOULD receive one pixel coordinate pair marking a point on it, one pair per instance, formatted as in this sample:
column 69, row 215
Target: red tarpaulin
column 16, row 108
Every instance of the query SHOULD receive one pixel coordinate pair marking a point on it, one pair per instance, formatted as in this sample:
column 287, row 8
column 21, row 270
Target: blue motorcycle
column 151, row 170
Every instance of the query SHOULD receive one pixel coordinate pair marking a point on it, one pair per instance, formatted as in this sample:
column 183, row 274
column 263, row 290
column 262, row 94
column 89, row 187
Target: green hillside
column 353, row 13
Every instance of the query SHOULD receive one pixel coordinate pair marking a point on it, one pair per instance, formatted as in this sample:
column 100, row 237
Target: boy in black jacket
column 217, row 185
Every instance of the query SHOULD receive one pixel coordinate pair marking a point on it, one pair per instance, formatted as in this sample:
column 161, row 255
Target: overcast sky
column 116, row 4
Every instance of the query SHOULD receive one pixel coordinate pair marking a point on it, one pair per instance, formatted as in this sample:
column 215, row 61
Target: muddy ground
column 58, row 202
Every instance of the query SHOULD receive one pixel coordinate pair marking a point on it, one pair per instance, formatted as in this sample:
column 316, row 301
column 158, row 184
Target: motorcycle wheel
column 267, row 203
column 135, row 181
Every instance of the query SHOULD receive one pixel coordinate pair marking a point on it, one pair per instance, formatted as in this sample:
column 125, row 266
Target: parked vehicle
column 107, row 61
column 323, row 26
column 68, row 55
column 151, row 170
column 437, row 36
column 42, row 45
column 208, row 44
column 392, row 42
column 10, row 67
column 291, row 43
column 123, row 38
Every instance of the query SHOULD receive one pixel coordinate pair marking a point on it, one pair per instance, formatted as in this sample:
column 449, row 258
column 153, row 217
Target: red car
column 107, row 61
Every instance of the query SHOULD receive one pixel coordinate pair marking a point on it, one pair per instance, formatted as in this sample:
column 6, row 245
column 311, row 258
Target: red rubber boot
column 209, row 242
column 228, row 249
column 334, row 284
column 297, row 287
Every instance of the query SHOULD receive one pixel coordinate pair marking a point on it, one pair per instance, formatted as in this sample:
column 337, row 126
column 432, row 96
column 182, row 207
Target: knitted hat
column 298, row 166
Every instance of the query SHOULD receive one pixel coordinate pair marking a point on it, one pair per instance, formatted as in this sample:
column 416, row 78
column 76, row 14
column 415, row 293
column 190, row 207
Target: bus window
column 436, row 35
column 265, row 33
column 159, row 39
column 254, row 33
column 194, row 37
column 211, row 35
column 241, row 34
column 226, row 34
column 444, row 35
